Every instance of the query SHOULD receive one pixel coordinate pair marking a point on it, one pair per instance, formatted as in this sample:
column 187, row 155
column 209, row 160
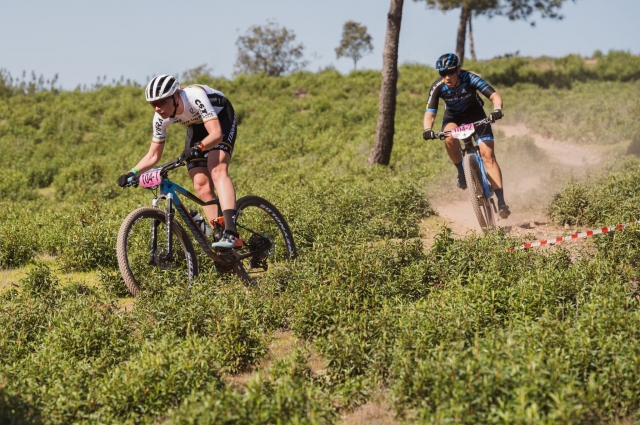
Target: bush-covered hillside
column 464, row 332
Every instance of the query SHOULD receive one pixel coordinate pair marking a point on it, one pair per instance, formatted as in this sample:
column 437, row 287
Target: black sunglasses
column 448, row 72
column 160, row 103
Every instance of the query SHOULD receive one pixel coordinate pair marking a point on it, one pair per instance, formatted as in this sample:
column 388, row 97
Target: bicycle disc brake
column 161, row 259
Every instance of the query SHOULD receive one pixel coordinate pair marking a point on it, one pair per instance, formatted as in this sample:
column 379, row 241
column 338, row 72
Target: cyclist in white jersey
column 211, row 133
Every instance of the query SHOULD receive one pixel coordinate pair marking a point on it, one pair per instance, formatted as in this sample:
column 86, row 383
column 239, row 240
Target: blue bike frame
column 486, row 186
column 169, row 191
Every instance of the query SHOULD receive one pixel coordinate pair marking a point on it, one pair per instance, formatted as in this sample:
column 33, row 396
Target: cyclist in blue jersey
column 211, row 133
column 458, row 88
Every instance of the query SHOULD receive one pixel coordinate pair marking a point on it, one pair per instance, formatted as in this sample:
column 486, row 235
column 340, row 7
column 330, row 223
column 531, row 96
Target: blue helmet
column 447, row 62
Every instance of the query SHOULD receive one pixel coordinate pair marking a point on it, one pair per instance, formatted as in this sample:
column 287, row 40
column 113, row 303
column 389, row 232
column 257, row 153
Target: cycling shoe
column 461, row 182
column 503, row 211
column 228, row 241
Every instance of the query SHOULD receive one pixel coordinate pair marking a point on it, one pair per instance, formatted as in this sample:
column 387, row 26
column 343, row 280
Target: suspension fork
column 469, row 147
column 169, row 214
column 169, row 217
column 154, row 235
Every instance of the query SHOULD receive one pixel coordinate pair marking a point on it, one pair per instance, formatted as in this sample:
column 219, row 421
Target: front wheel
column 268, row 241
column 481, row 205
column 142, row 250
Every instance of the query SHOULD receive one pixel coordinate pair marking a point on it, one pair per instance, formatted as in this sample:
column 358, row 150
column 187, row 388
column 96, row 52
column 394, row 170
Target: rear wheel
column 268, row 241
column 142, row 260
column 481, row 205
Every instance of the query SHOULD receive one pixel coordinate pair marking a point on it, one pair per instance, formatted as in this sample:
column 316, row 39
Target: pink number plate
column 150, row 178
column 463, row 131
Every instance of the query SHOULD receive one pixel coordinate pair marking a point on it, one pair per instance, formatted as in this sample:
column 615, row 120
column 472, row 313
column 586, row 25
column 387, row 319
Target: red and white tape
column 580, row 235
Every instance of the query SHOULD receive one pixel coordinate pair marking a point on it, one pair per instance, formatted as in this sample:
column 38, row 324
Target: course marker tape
column 572, row 237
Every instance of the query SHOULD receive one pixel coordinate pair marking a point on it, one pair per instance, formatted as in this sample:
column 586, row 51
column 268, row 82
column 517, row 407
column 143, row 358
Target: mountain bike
column 146, row 243
column 480, row 191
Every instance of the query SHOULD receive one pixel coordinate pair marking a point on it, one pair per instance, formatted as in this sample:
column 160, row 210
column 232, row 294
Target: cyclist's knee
column 449, row 140
column 220, row 171
column 489, row 158
column 201, row 184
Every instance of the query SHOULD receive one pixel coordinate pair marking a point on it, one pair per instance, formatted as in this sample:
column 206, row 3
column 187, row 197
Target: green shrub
column 286, row 394
column 223, row 316
column 15, row 186
column 608, row 199
column 18, row 244
column 547, row 370
column 165, row 373
column 112, row 282
column 40, row 281
column 78, row 181
column 90, row 239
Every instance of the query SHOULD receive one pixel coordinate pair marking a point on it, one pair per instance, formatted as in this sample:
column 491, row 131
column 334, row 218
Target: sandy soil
column 526, row 193
column 559, row 152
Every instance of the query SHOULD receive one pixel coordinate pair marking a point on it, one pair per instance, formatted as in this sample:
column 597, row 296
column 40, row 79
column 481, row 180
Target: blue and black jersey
column 462, row 100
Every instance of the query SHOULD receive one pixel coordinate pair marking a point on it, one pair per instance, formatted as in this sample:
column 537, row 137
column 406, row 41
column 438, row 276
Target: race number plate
column 150, row 178
column 463, row 131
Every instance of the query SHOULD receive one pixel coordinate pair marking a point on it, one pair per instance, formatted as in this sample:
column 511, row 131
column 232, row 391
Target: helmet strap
column 175, row 106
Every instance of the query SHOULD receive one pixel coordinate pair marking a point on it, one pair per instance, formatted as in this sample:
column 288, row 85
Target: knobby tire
column 260, row 224
column 481, row 205
column 133, row 248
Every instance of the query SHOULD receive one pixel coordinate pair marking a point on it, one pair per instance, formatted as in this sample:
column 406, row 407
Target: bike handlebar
column 164, row 170
column 443, row 134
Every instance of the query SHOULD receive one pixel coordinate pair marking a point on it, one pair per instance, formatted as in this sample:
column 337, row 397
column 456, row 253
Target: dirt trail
column 526, row 192
column 559, row 152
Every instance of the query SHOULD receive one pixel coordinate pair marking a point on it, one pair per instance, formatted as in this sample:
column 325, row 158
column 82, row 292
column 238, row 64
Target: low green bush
column 222, row 315
column 40, row 281
column 285, row 394
column 608, row 199
column 15, row 186
column 165, row 371
column 18, row 244
column 90, row 238
column 535, row 371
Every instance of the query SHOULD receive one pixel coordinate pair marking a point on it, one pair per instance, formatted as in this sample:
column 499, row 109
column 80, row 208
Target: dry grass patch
column 375, row 412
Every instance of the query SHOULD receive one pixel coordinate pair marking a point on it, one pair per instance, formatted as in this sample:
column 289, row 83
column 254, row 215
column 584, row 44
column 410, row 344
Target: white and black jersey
column 201, row 104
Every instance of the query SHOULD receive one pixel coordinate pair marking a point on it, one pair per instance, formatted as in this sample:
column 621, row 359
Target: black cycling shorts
column 484, row 132
column 197, row 132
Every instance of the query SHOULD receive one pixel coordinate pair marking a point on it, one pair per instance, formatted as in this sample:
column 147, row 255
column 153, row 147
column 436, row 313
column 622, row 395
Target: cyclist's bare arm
column 215, row 134
column 151, row 158
column 429, row 118
column 496, row 100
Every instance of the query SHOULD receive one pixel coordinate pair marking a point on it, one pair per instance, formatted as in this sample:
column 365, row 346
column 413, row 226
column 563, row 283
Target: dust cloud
column 534, row 169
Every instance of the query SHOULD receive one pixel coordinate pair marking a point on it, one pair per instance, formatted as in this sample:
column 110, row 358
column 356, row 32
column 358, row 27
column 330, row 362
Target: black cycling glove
column 191, row 153
column 428, row 134
column 122, row 180
column 496, row 115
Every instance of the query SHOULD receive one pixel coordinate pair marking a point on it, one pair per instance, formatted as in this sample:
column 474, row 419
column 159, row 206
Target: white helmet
column 161, row 87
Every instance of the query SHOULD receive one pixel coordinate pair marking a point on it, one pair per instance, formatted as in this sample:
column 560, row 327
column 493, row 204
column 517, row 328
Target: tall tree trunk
column 462, row 30
column 471, row 48
column 381, row 151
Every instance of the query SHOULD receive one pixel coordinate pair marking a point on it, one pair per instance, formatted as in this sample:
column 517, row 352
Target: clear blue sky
column 137, row 39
